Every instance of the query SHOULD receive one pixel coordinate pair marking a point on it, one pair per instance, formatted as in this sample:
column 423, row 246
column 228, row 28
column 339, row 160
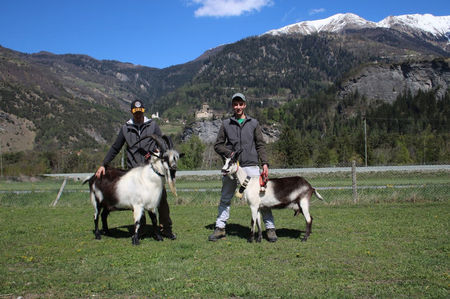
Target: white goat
column 138, row 189
column 288, row 192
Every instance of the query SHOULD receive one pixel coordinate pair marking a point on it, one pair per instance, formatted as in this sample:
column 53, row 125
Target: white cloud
column 228, row 8
column 316, row 11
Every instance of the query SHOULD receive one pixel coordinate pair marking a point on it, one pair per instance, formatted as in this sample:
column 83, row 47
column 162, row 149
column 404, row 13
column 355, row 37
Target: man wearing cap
column 135, row 128
column 241, row 132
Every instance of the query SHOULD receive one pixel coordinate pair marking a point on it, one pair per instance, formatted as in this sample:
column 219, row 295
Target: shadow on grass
column 127, row 231
column 243, row 232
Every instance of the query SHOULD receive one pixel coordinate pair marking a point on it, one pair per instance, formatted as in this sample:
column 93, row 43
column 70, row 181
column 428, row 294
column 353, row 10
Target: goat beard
column 170, row 177
column 172, row 187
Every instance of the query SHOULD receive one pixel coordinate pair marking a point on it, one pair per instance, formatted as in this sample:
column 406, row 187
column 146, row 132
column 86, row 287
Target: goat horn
column 140, row 139
column 168, row 141
column 159, row 141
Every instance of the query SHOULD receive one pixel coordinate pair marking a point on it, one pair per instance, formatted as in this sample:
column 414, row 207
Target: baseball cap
column 136, row 106
column 238, row 96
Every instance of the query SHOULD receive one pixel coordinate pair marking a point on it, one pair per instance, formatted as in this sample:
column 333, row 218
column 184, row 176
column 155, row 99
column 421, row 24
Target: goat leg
column 251, row 237
column 299, row 209
column 105, row 213
column 156, row 230
column 135, row 237
column 304, row 205
column 253, row 223
column 97, row 209
column 137, row 223
column 258, row 224
column 308, row 230
column 96, row 230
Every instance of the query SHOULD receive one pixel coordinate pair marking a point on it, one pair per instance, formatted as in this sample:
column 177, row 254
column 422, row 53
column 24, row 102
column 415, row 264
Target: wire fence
column 336, row 185
column 382, row 184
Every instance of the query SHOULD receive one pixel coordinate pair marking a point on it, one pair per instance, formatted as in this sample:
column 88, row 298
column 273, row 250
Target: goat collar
column 149, row 154
column 156, row 171
column 244, row 184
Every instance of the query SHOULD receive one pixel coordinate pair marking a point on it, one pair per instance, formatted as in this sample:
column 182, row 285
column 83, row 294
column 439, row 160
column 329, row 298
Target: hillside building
column 204, row 113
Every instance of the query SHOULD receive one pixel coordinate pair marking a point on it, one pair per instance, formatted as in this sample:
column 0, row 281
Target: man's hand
column 265, row 170
column 100, row 172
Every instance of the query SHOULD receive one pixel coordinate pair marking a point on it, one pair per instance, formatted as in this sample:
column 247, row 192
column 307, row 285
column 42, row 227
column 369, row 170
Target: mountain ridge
column 73, row 100
column 435, row 25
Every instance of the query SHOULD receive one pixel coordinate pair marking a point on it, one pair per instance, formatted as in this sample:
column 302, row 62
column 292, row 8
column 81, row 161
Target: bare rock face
column 386, row 82
column 207, row 131
column 17, row 134
column 271, row 133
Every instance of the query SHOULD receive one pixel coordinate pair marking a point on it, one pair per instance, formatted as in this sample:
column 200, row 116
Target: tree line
column 317, row 132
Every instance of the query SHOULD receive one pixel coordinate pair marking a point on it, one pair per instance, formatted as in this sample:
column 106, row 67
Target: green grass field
column 392, row 244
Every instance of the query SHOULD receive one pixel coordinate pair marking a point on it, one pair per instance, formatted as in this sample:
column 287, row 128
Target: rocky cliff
column 207, row 131
column 387, row 81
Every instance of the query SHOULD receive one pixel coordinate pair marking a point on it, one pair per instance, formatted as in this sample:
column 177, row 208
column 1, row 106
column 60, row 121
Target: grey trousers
column 228, row 190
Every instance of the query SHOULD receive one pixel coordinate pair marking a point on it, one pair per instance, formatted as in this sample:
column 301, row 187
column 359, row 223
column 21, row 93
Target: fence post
column 354, row 186
column 59, row 193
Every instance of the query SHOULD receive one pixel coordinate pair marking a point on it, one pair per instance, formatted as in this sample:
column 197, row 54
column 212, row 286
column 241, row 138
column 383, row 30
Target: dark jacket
column 130, row 133
column 247, row 136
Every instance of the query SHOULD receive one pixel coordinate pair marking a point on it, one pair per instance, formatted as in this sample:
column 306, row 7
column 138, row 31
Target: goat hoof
column 304, row 239
column 159, row 238
column 258, row 240
column 98, row 236
column 135, row 241
column 249, row 240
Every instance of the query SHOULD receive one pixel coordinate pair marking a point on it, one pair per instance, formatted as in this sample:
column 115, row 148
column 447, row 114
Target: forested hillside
column 411, row 130
column 320, row 89
column 74, row 101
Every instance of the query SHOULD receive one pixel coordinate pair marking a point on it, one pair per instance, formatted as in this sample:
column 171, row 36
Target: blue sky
column 161, row 33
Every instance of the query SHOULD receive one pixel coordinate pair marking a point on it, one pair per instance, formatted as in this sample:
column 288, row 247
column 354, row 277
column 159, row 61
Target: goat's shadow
column 127, row 231
column 243, row 232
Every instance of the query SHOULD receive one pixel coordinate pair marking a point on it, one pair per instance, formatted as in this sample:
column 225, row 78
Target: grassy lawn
column 377, row 248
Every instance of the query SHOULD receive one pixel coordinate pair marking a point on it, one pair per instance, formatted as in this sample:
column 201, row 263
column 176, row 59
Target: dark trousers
column 164, row 211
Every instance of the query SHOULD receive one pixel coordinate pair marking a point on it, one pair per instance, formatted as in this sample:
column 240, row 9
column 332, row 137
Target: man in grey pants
column 241, row 132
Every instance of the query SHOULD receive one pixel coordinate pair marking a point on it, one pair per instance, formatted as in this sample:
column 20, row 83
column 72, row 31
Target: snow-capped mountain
column 435, row 25
column 428, row 23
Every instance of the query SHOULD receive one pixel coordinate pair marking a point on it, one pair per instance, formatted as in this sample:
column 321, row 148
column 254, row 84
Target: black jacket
column 247, row 136
column 130, row 133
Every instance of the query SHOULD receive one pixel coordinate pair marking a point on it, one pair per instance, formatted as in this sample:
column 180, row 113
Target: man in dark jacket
column 130, row 133
column 241, row 132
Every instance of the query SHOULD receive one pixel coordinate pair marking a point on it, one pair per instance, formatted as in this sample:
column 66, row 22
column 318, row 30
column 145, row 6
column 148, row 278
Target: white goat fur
column 139, row 189
column 133, row 189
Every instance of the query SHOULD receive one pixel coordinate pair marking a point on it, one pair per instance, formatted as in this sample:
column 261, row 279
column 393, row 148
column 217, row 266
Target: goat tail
column 318, row 195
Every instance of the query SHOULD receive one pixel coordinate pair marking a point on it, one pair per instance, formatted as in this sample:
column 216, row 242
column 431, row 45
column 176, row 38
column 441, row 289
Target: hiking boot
column 271, row 235
column 218, row 233
column 167, row 233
